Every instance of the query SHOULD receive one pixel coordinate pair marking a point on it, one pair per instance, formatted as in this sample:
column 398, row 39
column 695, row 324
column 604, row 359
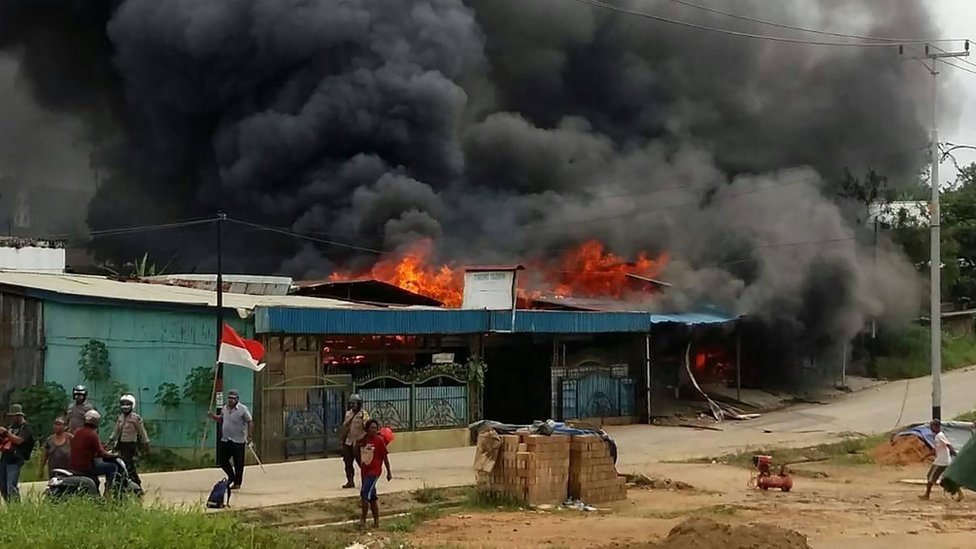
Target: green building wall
column 147, row 347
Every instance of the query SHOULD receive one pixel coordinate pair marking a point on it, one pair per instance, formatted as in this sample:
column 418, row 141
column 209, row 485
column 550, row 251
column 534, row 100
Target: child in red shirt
column 373, row 456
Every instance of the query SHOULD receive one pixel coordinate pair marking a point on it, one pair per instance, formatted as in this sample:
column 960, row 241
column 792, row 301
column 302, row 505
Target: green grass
column 428, row 494
column 850, row 451
column 906, row 355
column 966, row 416
column 100, row 525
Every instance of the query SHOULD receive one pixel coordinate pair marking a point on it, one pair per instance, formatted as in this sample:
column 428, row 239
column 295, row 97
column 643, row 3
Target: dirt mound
column 903, row 450
column 645, row 482
column 703, row 533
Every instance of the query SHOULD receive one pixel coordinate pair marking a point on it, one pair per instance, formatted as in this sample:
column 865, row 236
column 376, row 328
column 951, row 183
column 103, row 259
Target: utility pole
column 219, row 375
column 935, row 222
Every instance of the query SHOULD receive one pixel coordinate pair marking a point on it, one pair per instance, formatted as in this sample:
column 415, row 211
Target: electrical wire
column 294, row 234
column 662, row 19
column 140, row 228
column 697, row 202
column 815, row 31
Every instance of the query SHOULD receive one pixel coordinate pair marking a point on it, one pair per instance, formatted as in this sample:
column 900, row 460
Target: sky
column 958, row 19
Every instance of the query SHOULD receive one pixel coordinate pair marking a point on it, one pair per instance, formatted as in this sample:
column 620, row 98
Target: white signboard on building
column 491, row 290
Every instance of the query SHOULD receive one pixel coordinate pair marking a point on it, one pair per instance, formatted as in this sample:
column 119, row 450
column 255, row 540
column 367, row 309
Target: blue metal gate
column 597, row 394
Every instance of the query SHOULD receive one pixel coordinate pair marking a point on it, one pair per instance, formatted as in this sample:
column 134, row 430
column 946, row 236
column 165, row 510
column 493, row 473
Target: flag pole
column 218, row 392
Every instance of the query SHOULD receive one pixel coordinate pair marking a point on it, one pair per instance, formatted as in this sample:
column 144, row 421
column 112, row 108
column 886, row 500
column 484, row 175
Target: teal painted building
column 147, row 347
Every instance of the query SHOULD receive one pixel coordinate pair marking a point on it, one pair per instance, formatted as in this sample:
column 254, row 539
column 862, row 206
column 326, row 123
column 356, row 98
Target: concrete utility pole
column 935, row 222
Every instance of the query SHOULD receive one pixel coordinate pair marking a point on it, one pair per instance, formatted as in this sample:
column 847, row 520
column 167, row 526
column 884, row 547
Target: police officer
column 129, row 436
column 76, row 412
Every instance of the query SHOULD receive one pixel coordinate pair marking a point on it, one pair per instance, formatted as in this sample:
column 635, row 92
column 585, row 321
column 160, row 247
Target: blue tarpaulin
column 958, row 433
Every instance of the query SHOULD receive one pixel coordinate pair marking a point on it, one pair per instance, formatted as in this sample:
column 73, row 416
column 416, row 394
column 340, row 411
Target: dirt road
column 853, row 507
column 871, row 411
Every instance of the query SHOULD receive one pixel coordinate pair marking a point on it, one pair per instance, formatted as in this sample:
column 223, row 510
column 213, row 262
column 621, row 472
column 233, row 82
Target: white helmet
column 93, row 417
column 128, row 398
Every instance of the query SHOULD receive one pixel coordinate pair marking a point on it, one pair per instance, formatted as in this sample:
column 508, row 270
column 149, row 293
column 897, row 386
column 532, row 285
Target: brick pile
column 592, row 475
column 530, row 468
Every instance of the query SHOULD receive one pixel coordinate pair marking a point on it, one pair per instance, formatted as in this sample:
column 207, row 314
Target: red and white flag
column 238, row 351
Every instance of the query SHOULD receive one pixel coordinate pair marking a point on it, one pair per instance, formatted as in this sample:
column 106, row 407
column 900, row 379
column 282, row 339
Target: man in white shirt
column 943, row 457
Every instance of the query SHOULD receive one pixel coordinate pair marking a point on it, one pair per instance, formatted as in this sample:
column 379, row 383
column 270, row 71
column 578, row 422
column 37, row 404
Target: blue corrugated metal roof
column 458, row 321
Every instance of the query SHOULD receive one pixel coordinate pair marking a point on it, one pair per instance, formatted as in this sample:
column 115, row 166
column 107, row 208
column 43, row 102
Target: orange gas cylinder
column 783, row 481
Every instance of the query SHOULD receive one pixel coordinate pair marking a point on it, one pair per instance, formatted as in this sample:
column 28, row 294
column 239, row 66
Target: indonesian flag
column 238, row 351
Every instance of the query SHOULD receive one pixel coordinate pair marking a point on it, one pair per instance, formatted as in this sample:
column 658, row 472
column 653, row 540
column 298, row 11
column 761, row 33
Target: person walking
column 373, row 456
column 56, row 453
column 16, row 445
column 75, row 413
column 129, row 436
column 943, row 457
column 352, row 430
column 236, row 423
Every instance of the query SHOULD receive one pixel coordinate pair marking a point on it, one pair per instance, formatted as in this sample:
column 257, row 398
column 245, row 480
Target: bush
column 42, row 404
column 906, row 354
column 99, row 525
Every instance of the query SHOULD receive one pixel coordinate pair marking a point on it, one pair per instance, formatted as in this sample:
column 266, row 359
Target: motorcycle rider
column 129, row 436
column 86, row 447
column 75, row 413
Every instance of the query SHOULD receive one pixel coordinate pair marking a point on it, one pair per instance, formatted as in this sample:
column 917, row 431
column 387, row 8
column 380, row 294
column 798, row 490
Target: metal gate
column 301, row 409
column 597, row 394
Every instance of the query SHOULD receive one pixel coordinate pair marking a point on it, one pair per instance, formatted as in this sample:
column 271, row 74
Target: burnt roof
column 366, row 290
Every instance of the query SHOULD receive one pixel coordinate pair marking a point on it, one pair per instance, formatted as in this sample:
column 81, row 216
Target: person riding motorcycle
column 75, row 414
column 129, row 436
column 86, row 447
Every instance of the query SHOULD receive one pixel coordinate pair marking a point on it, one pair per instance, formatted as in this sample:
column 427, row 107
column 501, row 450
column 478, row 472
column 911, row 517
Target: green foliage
column 906, row 354
column 168, row 395
column 99, row 525
column 94, row 362
column 42, row 404
column 109, row 401
column 198, row 385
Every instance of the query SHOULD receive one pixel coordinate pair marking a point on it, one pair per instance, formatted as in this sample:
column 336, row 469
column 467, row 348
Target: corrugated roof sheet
column 418, row 320
column 93, row 288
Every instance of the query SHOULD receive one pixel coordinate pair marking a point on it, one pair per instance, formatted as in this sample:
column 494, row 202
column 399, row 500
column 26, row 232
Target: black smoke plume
column 502, row 129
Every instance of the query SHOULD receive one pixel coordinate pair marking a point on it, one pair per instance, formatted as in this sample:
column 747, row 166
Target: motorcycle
column 64, row 483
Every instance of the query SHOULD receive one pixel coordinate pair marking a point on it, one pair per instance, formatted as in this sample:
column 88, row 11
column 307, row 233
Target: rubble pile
column 703, row 533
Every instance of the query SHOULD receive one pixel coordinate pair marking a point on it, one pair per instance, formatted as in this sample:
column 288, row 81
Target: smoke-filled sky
column 501, row 129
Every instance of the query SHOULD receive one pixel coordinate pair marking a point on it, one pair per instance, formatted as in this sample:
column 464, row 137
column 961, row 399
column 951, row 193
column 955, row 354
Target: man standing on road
column 16, row 443
column 352, row 430
column 943, row 457
column 75, row 413
column 236, row 421
column 129, row 436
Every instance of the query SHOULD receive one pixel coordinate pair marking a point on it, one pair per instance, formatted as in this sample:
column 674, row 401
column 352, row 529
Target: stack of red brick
column 530, row 468
column 540, row 469
column 593, row 477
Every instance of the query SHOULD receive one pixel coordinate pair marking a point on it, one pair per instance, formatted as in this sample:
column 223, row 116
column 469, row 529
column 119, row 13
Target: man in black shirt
column 16, row 445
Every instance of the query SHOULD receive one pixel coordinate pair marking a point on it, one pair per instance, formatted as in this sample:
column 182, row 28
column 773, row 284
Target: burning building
column 501, row 132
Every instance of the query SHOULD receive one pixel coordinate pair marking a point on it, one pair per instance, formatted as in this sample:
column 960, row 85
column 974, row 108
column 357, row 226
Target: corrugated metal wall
column 21, row 343
column 146, row 348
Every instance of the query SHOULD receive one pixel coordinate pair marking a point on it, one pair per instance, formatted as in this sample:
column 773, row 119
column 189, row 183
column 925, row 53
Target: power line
column 670, row 207
column 142, row 228
column 812, row 30
column 307, row 237
column 659, row 18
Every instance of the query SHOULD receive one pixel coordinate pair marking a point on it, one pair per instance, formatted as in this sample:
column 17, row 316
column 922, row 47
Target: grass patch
column 966, row 416
column 476, row 500
column 428, row 494
column 850, row 451
column 906, row 354
column 95, row 524
column 410, row 521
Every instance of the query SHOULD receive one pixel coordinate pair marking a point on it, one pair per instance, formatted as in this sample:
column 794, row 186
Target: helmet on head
column 93, row 418
column 79, row 390
column 127, row 402
column 355, row 399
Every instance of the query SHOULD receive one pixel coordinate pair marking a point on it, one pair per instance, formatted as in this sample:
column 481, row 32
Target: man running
column 943, row 457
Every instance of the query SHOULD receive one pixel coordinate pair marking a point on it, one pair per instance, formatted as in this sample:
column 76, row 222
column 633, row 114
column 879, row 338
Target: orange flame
column 591, row 271
column 588, row 270
column 412, row 272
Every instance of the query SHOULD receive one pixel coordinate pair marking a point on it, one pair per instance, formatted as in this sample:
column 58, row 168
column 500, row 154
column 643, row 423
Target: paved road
column 874, row 410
